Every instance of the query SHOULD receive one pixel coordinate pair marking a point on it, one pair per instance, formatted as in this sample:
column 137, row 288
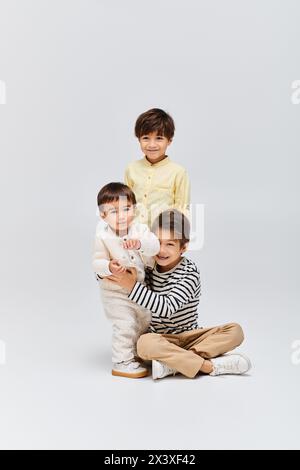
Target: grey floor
column 57, row 391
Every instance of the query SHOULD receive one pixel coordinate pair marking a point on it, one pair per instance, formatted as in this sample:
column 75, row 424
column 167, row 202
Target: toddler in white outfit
column 122, row 243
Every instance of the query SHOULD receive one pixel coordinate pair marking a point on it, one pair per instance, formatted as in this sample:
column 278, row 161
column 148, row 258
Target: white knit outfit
column 129, row 320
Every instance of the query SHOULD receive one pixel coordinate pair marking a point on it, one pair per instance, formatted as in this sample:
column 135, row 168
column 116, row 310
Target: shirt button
column 132, row 257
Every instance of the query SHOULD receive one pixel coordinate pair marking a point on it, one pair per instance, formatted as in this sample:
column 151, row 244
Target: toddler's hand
column 115, row 267
column 132, row 244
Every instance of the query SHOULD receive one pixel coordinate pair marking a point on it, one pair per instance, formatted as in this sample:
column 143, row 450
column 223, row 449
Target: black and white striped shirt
column 172, row 297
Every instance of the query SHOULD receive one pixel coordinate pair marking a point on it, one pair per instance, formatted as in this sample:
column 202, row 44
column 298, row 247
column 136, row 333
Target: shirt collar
column 167, row 273
column 111, row 233
column 156, row 165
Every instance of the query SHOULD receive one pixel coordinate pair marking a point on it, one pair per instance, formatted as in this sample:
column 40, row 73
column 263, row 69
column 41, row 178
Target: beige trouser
column 129, row 321
column 186, row 352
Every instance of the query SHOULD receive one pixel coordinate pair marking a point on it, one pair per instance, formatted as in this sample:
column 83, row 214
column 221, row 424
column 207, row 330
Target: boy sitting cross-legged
column 175, row 342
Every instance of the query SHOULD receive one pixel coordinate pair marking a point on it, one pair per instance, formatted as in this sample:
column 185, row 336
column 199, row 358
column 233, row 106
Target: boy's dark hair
column 176, row 222
column 155, row 120
column 112, row 192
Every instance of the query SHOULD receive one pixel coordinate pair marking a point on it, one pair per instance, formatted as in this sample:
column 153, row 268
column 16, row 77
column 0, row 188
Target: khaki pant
column 129, row 321
column 186, row 352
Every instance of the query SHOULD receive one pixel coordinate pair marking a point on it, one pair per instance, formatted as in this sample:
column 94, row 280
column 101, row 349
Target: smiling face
column 154, row 146
column 170, row 250
column 118, row 215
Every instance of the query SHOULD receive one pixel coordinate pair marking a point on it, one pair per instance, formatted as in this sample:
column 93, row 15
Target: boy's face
column 118, row 214
column 154, row 146
column 170, row 250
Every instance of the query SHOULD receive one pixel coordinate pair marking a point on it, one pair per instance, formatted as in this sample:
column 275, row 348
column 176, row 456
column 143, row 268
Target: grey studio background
column 76, row 75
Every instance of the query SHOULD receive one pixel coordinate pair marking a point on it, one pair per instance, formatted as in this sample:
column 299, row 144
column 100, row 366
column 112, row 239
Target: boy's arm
column 164, row 306
column 150, row 245
column 182, row 192
column 101, row 258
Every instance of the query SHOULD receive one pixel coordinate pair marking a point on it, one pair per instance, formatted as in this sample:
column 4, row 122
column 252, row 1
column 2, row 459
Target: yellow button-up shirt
column 158, row 187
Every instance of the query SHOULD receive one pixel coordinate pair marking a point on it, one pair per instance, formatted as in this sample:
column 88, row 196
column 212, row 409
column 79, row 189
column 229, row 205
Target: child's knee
column 145, row 345
column 238, row 334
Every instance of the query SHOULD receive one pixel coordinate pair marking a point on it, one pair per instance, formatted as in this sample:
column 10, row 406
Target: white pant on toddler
column 129, row 320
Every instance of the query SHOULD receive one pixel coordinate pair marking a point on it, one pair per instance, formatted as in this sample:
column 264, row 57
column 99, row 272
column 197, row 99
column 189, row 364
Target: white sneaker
column 160, row 370
column 230, row 364
column 130, row 369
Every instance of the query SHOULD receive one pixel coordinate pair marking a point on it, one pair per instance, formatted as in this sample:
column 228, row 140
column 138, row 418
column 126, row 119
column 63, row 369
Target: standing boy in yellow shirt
column 157, row 182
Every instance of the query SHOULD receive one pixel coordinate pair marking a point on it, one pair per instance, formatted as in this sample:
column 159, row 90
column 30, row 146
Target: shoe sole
column 139, row 375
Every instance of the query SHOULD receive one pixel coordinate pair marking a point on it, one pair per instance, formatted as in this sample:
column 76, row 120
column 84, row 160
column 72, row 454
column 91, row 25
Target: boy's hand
column 132, row 244
column 126, row 280
column 115, row 267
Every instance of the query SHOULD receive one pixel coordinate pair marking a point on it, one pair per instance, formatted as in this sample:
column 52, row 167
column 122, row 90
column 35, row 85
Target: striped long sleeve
column 173, row 298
